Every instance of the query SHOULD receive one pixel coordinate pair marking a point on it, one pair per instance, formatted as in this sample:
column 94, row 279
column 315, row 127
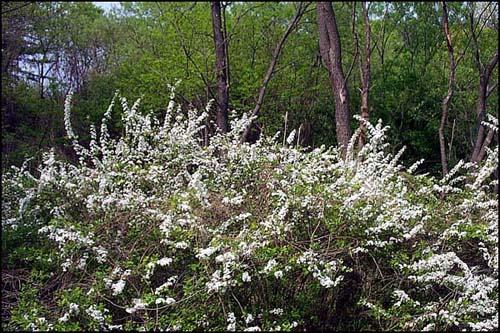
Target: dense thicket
column 154, row 231
column 143, row 47
column 232, row 196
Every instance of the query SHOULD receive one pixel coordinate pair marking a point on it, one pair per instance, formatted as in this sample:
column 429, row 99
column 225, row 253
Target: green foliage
column 152, row 230
column 140, row 48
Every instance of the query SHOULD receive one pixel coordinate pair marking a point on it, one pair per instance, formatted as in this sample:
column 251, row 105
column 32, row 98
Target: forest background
column 140, row 48
column 160, row 216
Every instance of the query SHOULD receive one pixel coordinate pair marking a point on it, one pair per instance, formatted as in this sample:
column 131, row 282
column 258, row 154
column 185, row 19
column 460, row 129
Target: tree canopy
column 141, row 48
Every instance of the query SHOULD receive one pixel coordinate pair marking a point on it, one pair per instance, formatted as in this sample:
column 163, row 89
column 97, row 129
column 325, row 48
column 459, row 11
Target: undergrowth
column 154, row 230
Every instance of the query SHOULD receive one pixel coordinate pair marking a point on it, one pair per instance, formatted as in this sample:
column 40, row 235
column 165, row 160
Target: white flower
column 150, row 269
column 234, row 201
column 107, row 281
column 245, row 277
column 74, row 308
column 101, row 254
column 249, row 318
column 401, row 296
column 161, row 176
column 228, row 256
column 118, row 287
column 164, row 261
column 290, row 137
column 82, row 262
column 277, row 311
column 138, row 305
column 115, row 327
column 269, row 266
column 64, row 318
column 95, row 314
column 185, row 207
column 170, row 282
column 181, row 245
column 66, row 264
column 231, row 319
column 206, row 253
column 325, row 281
column 67, row 115
column 131, row 310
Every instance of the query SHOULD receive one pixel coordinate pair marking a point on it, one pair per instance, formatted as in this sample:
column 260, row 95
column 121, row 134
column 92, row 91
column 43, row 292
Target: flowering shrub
column 154, row 230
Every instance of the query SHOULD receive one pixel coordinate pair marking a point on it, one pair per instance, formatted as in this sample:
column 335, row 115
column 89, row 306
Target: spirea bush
column 154, row 230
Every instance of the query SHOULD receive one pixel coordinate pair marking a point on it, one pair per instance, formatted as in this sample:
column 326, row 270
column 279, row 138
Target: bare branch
column 356, row 44
column 190, row 58
column 491, row 89
column 17, row 8
column 260, row 100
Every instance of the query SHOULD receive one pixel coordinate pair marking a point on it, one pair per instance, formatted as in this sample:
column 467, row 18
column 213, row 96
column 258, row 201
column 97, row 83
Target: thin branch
column 451, row 83
column 485, row 20
column 300, row 12
column 475, row 36
column 238, row 19
column 491, row 64
column 17, row 8
column 356, row 44
column 190, row 58
column 491, row 89
column 486, row 143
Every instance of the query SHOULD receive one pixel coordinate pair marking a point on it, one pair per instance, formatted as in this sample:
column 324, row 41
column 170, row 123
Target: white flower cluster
column 188, row 218
column 401, row 297
column 475, row 291
column 74, row 309
column 222, row 277
column 321, row 270
column 98, row 316
column 276, row 311
column 206, row 253
column 170, row 282
column 138, row 305
column 231, row 319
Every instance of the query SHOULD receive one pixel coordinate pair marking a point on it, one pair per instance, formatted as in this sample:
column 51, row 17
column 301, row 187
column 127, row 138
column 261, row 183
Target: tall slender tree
column 222, row 67
column 482, row 139
column 331, row 52
column 365, row 68
column 449, row 95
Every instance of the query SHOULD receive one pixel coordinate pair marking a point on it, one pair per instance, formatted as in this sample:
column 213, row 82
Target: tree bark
column 486, row 143
column 270, row 71
column 481, row 107
column 222, row 68
column 484, row 77
column 481, row 142
column 330, row 49
column 449, row 95
column 365, row 74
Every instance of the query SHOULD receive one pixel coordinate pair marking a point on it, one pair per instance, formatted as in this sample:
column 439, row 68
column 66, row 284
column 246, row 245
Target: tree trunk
column 222, row 68
column 365, row 74
column 486, row 143
column 270, row 71
column 481, row 108
column 451, row 84
column 484, row 77
column 330, row 49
